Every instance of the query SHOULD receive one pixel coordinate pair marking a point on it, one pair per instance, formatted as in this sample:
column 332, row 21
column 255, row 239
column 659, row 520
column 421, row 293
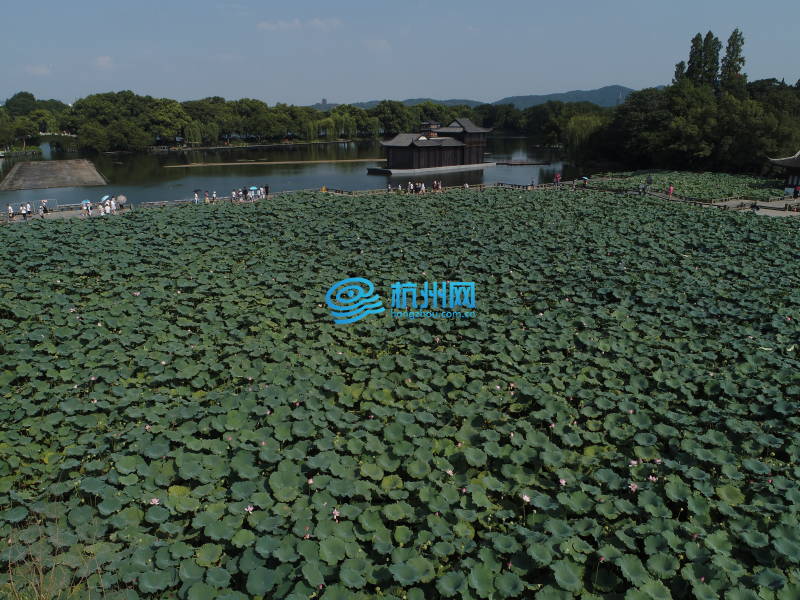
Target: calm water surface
column 143, row 178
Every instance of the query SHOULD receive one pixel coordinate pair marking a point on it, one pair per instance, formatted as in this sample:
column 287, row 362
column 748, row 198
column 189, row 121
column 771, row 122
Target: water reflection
column 144, row 178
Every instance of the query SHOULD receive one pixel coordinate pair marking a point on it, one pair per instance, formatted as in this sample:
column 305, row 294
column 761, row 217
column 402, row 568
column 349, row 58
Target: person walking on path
column 671, row 190
column 10, row 213
column 557, row 179
column 29, row 209
column 41, row 210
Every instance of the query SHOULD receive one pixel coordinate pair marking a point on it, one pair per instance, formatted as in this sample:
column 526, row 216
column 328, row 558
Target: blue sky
column 299, row 52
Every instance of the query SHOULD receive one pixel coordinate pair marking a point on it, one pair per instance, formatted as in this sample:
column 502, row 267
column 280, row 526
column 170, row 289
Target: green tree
column 45, row 120
column 680, row 72
column 695, row 68
column 20, row 104
column 711, row 49
column 25, row 129
column 192, row 133
column 394, row 116
column 6, row 128
column 578, row 134
column 732, row 80
column 93, row 136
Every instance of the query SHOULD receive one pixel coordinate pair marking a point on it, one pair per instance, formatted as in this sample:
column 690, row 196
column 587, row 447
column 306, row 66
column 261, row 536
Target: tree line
column 708, row 117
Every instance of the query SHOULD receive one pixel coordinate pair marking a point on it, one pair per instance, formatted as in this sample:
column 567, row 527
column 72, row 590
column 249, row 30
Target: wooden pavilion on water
column 458, row 146
column 791, row 165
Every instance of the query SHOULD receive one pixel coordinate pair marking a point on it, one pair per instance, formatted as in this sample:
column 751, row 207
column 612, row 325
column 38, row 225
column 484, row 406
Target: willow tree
column 578, row 134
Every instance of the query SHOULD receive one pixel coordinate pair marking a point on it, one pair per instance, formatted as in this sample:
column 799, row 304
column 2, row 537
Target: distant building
column 461, row 145
column 324, row 101
column 791, row 165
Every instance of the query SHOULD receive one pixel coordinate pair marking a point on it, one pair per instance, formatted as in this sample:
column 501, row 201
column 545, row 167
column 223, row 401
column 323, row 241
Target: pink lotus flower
column 449, row 472
column 94, row 401
column 633, row 487
column 511, row 435
column 552, row 425
column 137, row 293
column 630, row 412
column 658, row 461
column 310, row 481
column 163, row 362
column 229, row 438
column 263, row 443
column 562, row 482
column 653, row 478
column 464, row 490
column 154, row 501
column 249, row 508
column 92, row 378
column 336, row 514
column 459, row 444
column 602, row 559
column 526, row 498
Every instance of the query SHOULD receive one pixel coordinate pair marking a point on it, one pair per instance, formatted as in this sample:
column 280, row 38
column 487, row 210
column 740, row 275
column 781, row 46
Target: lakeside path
column 278, row 162
column 774, row 208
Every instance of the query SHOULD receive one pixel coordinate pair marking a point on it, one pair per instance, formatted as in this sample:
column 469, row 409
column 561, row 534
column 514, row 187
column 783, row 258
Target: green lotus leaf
column 755, row 539
column 208, row 554
column 541, row 553
column 154, row 581
column 568, row 574
column 243, row 538
column 202, row 591
column 332, row 550
column 450, row 583
column 632, row 569
column 663, row 565
column 14, row 515
column 481, row 579
column 508, row 585
column 260, row 581
column 475, row 456
column 730, row 494
column 218, row 577
column 313, row 574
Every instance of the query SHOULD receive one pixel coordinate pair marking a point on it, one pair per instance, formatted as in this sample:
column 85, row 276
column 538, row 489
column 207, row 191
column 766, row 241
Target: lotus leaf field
column 700, row 186
column 182, row 419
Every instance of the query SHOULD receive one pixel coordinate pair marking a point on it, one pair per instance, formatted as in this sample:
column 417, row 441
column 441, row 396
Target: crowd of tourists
column 416, row 187
column 108, row 205
column 26, row 210
column 244, row 194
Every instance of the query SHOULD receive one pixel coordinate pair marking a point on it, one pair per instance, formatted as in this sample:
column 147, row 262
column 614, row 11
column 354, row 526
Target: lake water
column 144, row 178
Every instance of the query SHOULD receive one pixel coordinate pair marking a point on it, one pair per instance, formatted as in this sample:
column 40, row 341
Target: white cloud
column 378, row 45
column 320, row 24
column 104, row 62
column 39, row 70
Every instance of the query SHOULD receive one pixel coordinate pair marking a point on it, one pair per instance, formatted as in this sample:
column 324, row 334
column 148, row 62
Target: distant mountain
column 610, row 95
column 409, row 102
